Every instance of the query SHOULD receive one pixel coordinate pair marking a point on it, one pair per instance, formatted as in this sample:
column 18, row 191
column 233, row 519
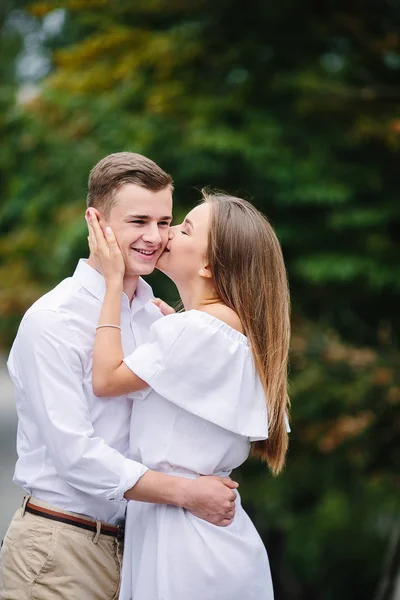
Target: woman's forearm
column 108, row 353
column 110, row 375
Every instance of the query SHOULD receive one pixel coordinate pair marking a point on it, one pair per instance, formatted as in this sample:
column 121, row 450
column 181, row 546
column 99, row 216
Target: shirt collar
column 94, row 283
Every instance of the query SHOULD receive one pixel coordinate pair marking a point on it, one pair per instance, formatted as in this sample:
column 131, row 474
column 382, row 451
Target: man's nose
column 152, row 234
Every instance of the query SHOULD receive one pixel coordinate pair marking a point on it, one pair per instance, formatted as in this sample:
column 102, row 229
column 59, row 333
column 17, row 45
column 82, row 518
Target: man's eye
column 138, row 222
column 164, row 223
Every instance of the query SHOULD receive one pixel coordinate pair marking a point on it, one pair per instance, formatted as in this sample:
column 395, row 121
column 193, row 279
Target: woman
column 216, row 381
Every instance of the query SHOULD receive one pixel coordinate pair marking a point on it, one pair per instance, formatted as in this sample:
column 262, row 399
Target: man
column 65, row 542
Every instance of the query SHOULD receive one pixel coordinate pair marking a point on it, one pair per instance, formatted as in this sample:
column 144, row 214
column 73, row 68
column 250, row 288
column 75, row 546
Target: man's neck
column 130, row 281
column 130, row 285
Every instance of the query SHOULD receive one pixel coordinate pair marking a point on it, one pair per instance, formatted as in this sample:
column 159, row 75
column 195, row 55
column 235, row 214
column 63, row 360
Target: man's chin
column 140, row 269
column 161, row 265
column 161, row 258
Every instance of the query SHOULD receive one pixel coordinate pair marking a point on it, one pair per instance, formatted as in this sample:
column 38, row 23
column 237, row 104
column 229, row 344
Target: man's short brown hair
column 111, row 172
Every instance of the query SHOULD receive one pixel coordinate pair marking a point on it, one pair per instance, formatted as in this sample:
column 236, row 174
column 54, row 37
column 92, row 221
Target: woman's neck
column 197, row 296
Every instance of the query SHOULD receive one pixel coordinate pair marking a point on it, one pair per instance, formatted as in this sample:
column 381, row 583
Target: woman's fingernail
column 108, row 231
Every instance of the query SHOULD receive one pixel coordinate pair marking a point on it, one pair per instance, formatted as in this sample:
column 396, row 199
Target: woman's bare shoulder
column 225, row 314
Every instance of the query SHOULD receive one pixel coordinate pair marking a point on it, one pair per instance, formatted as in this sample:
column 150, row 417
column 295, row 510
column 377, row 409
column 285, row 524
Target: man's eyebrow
column 146, row 217
column 189, row 222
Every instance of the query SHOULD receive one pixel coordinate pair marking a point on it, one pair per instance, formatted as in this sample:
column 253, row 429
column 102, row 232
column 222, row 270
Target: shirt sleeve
column 48, row 369
column 193, row 362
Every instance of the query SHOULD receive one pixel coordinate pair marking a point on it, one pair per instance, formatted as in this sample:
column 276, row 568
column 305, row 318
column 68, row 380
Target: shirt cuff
column 131, row 474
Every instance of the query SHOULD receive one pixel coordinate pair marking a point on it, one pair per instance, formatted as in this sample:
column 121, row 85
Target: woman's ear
column 205, row 272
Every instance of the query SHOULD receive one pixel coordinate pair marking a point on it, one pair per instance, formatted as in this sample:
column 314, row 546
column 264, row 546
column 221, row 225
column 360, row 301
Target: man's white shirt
column 72, row 446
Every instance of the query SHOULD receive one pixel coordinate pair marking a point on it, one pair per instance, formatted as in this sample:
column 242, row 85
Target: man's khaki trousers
column 43, row 559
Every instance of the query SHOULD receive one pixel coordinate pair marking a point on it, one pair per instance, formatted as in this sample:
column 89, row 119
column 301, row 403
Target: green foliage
column 294, row 106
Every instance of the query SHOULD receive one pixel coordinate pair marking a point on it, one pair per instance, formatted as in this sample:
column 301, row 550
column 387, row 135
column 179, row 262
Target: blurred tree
column 295, row 106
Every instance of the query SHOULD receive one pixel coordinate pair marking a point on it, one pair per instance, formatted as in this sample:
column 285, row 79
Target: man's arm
column 210, row 498
column 49, row 369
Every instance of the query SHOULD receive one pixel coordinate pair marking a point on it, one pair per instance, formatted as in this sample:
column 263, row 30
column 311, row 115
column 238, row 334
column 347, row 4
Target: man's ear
column 205, row 272
column 98, row 214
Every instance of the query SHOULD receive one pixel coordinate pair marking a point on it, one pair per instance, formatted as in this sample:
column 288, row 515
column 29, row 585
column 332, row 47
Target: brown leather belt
column 114, row 531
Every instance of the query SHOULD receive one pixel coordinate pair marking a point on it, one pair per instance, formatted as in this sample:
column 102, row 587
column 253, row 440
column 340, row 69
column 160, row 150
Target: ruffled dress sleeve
column 202, row 365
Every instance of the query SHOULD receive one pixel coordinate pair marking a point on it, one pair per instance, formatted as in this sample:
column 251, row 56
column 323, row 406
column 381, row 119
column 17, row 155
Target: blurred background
column 296, row 107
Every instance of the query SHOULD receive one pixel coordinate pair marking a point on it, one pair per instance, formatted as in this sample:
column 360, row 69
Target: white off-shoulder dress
column 205, row 405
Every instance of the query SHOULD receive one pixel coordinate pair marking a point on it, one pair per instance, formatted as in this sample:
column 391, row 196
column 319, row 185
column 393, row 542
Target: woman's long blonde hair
column 249, row 274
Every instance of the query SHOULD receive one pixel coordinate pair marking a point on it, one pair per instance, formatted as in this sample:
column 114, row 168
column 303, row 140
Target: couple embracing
column 132, row 417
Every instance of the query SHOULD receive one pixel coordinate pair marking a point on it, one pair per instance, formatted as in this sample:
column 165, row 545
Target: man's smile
column 146, row 254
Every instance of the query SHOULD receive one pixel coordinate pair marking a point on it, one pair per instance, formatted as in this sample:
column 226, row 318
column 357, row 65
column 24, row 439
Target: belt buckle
column 120, row 533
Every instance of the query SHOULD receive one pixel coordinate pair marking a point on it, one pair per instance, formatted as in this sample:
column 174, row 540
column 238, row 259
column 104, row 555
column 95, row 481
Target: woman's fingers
column 90, row 245
column 165, row 308
column 104, row 247
column 91, row 238
column 98, row 233
column 112, row 242
column 114, row 249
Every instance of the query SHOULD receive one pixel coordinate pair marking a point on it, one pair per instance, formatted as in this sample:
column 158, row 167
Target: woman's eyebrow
column 189, row 222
